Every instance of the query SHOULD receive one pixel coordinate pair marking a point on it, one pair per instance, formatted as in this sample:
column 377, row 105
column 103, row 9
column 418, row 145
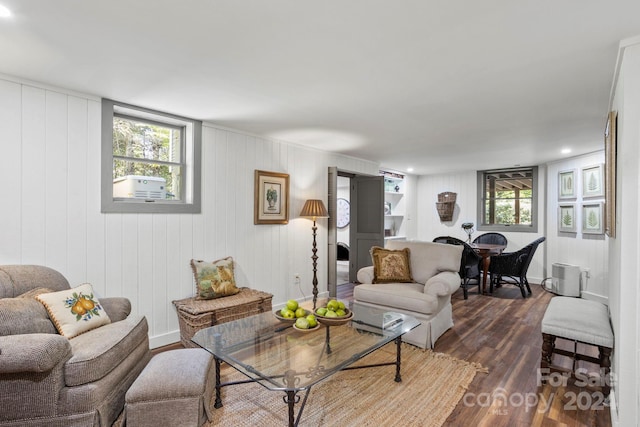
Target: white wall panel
column 76, row 220
column 33, row 176
column 55, row 179
column 129, row 254
column 464, row 185
column 96, row 223
column 111, row 285
column 53, row 186
column 585, row 250
column 185, row 286
column 11, row 172
column 147, row 304
column 159, row 267
column 623, row 279
column 172, row 273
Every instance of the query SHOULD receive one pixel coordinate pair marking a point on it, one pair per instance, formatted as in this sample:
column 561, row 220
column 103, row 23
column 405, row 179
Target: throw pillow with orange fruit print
column 84, row 307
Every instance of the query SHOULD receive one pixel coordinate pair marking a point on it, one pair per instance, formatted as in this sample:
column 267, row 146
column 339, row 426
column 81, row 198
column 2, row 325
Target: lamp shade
column 313, row 209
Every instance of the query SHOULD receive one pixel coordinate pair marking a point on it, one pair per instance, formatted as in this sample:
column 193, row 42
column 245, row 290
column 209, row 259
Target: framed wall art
column 567, row 184
column 610, row 150
column 567, row 217
column 271, row 205
column 592, row 181
column 592, row 218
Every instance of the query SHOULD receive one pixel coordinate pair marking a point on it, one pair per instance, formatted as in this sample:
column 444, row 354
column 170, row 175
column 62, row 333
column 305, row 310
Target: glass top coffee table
column 281, row 358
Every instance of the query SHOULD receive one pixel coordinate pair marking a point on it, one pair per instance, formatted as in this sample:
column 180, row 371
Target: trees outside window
column 508, row 199
column 150, row 160
column 142, row 149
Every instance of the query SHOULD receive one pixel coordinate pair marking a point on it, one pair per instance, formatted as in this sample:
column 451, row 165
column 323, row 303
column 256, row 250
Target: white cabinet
column 394, row 205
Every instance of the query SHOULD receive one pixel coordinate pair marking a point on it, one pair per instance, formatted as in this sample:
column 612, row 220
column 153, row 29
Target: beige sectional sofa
column 434, row 269
column 49, row 380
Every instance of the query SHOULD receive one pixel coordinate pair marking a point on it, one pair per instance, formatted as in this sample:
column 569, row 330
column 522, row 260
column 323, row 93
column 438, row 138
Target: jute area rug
column 432, row 385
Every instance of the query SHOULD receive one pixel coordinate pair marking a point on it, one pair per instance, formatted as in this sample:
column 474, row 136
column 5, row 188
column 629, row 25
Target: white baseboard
column 595, row 297
column 613, row 409
column 164, row 339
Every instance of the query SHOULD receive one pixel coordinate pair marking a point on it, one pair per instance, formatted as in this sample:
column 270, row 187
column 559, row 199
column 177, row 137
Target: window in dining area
column 507, row 199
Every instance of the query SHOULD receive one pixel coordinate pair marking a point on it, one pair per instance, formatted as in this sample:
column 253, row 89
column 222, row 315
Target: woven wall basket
column 447, row 196
column 445, row 210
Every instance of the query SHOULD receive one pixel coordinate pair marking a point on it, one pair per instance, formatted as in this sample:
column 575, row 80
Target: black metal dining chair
column 492, row 238
column 469, row 271
column 511, row 268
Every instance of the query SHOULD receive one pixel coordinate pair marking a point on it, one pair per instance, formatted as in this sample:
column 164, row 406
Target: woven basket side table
column 194, row 314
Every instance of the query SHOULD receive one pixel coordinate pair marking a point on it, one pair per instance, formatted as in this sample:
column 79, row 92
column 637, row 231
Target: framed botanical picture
column 610, row 150
column 592, row 218
column 592, row 181
column 567, row 217
column 567, row 184
column 271, row 205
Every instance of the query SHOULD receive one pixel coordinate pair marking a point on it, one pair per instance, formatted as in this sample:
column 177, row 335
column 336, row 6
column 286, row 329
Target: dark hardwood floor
column 502, row 333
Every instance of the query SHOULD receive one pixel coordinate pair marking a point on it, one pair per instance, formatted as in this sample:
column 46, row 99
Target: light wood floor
column 502, row 333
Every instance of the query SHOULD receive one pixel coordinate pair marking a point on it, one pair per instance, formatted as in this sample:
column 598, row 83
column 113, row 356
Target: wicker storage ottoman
column 194, row 314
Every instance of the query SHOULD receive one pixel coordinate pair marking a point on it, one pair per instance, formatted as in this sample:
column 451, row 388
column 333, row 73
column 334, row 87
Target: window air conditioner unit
column 565, row 279
column 140, row 187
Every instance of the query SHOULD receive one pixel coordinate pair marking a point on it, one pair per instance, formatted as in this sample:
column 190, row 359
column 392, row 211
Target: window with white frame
column 507, row 199
column 150, row 160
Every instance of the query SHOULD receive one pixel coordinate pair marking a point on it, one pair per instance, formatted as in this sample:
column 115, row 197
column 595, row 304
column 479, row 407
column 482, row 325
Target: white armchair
column 434, row 269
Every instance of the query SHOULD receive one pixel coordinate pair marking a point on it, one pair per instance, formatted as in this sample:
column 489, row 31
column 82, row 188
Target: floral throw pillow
column 74, row 311
column 214, row 279
column 390, row 266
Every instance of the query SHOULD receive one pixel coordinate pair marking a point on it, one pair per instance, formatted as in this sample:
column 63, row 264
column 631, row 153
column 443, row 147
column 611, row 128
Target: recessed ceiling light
column 4, row 12
column 566, row 150
column 409, row 169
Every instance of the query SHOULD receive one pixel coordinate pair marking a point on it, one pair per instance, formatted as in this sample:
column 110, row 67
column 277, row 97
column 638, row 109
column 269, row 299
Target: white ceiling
column 437, row 85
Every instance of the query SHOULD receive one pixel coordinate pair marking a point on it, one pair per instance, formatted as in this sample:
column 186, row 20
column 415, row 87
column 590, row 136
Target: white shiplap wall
column 50, row 209
column 585, row 250
column 569, row 248
column 465, row 185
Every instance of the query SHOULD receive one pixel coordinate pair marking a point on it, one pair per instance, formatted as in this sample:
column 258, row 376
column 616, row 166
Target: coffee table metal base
column 291, row 398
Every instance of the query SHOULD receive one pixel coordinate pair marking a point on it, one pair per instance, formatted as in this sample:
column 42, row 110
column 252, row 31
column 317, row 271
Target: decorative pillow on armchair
column 214, row 279
column 74, row 311
column 391, row 266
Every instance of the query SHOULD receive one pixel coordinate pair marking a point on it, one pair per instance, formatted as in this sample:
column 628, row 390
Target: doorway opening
column 356, row 223
column 343, row 220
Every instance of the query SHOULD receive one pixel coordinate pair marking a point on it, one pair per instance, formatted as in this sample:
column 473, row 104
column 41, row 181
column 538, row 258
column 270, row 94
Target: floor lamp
column 314, row 209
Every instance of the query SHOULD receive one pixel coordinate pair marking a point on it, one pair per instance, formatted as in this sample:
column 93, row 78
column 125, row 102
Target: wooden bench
column 580, row 321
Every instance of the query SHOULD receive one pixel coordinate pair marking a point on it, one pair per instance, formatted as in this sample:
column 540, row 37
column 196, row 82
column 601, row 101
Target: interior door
column 367, row 220
column 332, row 248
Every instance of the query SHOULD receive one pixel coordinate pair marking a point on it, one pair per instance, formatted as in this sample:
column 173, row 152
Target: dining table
column 486, row 250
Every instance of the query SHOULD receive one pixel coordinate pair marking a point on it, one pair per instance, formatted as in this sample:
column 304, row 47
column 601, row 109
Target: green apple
column 288, row 314
column 340, row 312
column 321, row 311
column 331, row 314
column 292, row 305
column 341, row 305
column 333, row 305
column 301, row 312
column 302, row 323
column 312, row 321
